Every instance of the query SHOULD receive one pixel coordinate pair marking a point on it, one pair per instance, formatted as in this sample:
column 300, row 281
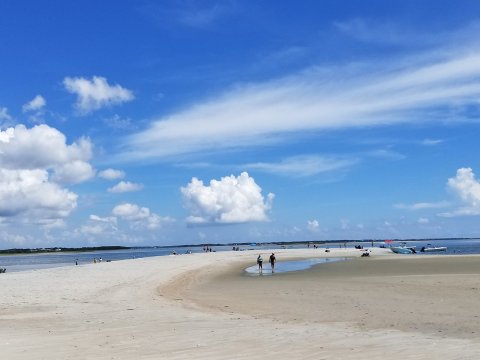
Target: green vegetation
column 61, row 249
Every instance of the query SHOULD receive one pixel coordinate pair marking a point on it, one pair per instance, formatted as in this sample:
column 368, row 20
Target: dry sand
column 202, row 306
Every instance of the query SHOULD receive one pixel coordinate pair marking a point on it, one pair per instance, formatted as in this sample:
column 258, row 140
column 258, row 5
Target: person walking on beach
column 260, row 263
column 272, row 262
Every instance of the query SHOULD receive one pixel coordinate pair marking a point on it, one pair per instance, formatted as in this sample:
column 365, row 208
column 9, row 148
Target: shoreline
column 201, row 306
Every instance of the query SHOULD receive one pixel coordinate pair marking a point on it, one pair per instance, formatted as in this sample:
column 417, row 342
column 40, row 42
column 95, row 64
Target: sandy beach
column 203, row 306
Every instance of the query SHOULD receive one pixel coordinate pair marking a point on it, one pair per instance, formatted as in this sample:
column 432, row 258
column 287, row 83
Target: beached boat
column 402, row 250
column 433, row 249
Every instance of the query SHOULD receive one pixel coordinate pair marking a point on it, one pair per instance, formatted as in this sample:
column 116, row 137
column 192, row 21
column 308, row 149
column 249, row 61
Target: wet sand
column 202, row 306
column 435, row 295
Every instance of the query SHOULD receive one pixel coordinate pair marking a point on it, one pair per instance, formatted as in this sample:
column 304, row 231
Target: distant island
column 61, row 249
column 278, row 243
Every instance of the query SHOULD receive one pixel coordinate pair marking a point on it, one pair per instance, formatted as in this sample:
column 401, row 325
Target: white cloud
column 431, row 142
column 313, row 225
column 304, row 165
column 423, row 205
column 36, row 104
column 111, row 174
column 107, row 219
column 139, row 217
column 32, row 163
column 125, row 186
column 386, row 154
column 99, row 225
column 317, row 99
column 15, row 239
column 40, row 147
column 119, row 123
column 193, row 14
column 74, row 172
column 423, row 221
column 4, row 115
column 467, row 188
column 228, row 200
column 29, row 192
column 96, row 93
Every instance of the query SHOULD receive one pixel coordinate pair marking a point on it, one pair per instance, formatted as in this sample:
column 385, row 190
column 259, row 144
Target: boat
column 433, row 248
column 402, row 250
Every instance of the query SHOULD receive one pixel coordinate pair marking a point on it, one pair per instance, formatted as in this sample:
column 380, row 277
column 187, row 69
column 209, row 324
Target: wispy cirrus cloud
column 304, row 165
column 317, row 99
column 423, row 205
column 4, row 115
column 194, row 14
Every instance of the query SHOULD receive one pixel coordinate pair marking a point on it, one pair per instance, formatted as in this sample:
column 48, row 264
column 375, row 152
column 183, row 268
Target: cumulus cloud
column 111, row 174
column 317, row 99
column 29, row 191
column 40, row 147
column 228, row 200
column 96, row 93
column 14, row 239
column 139, row 217
column 304, row 165
column 99, row 225
column 125, row 186
column 36, row 104
column 467, row 188
column 74, row 172
column 33, row 163
column 313, row 225
column 423, row 220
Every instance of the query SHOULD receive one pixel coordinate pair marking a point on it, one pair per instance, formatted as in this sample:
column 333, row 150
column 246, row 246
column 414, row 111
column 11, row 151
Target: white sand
column 135, row 309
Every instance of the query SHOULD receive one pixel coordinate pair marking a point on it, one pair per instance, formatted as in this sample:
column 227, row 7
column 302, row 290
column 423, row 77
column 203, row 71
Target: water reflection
column 293, row 265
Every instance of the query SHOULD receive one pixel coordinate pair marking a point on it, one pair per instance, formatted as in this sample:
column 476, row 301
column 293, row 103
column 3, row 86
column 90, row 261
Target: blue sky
column 175, row 122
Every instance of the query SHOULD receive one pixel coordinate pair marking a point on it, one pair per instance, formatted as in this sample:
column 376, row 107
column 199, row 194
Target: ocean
column 24, row 262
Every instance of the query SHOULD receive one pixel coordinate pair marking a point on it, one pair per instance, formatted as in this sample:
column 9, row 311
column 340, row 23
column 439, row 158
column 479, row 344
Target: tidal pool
column 289, row 266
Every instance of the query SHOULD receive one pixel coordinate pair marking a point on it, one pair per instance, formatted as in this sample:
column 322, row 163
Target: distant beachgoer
column 272, row 262
column 76, row 261
column 94, row 260
column 260, row 263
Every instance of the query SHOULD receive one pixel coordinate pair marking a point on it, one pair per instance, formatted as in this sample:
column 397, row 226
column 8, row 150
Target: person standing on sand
column 272, row 262
column 260, row 263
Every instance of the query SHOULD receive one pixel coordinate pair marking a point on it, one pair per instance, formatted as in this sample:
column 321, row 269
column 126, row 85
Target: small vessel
column 402, row 250
column 430, row 248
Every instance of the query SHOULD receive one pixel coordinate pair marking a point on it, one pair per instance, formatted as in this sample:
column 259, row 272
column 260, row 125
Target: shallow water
column 289, row 266
column 23, row 262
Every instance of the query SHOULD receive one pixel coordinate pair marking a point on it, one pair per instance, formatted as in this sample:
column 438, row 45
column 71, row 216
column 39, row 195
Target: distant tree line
column 62, row 249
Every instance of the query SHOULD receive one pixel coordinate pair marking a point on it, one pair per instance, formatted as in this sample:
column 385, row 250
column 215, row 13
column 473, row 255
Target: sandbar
column 203, row 306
